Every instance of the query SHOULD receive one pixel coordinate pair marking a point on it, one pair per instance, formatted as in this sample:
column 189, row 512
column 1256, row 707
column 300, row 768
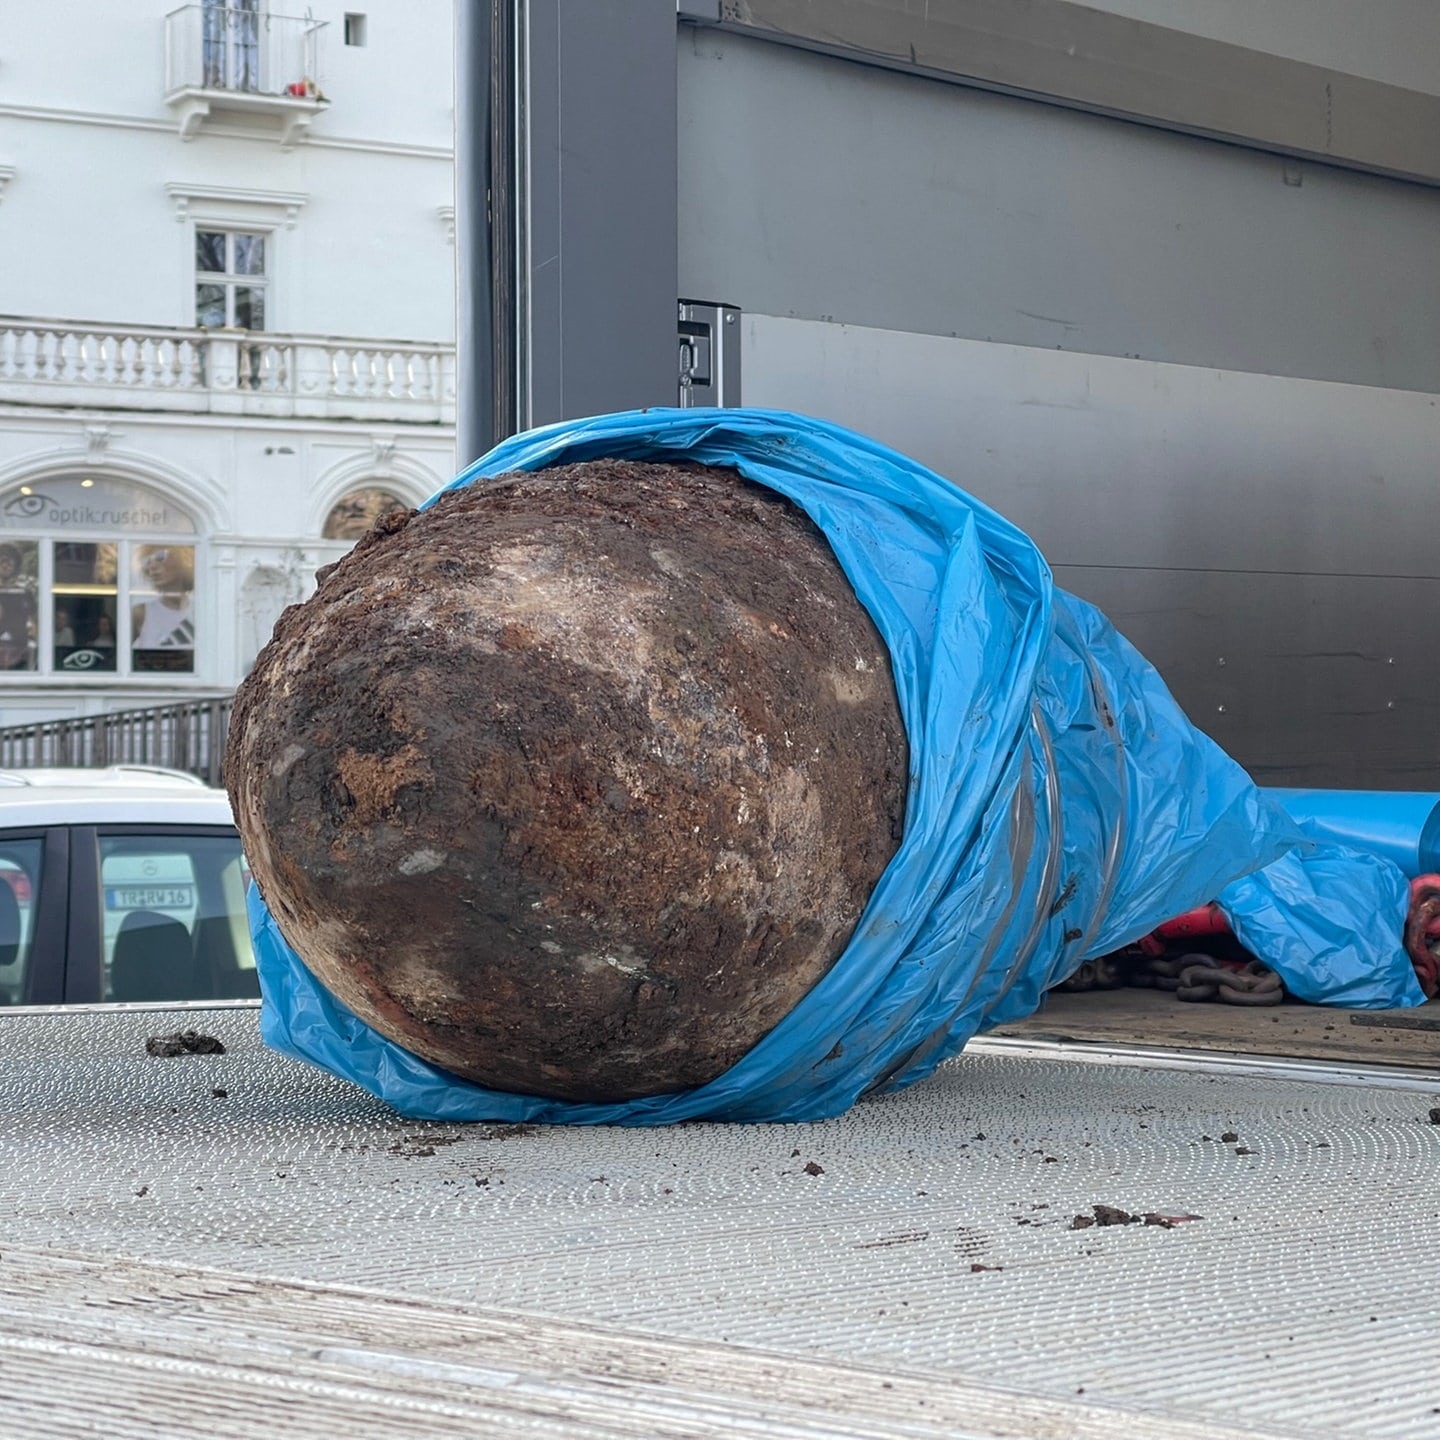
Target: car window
column 174, row 918
column 19, row 887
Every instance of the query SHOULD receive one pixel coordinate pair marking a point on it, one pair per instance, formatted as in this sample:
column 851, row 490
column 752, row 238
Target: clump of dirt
column 576, row 782
column 421, row 1143
column 1113, row 1215
column 183, row 1042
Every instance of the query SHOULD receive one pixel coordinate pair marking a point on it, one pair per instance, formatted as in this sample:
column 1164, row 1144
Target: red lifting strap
column 1422, row 932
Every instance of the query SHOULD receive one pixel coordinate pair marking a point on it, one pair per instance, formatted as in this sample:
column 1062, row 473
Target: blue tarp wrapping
column 1060, row 805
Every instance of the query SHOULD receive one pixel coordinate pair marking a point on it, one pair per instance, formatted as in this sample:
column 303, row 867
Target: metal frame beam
column 1069, row 54
column 566, row 211
column 476, row 427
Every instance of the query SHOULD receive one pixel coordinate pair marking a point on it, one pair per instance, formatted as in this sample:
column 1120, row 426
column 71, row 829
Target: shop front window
column 162, row 597
column 19, row 572
column 84, row 593
column 104, row 585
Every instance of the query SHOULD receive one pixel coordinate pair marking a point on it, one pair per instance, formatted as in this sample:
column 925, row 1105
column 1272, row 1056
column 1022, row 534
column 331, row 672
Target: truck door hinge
column 709, row 354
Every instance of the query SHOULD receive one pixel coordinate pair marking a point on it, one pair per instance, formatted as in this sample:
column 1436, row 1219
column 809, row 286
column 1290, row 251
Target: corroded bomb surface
column 575, row 783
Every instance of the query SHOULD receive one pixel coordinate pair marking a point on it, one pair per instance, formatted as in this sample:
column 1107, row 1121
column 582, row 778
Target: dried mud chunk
column 183, row 1042
column 577, row 782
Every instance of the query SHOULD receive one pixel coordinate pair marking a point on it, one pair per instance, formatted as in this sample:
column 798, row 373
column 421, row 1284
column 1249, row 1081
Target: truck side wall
column 1202, row 376
column 1159, row 279
column 1295, row 630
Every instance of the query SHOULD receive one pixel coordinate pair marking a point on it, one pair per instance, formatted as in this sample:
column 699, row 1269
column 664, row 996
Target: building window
column 353, row 514
column 113, row 567
column 354, row 29
column 230, row 279
column 230, row 44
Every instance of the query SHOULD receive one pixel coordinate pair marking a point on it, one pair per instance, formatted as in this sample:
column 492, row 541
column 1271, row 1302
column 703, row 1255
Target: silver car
column 120, row 885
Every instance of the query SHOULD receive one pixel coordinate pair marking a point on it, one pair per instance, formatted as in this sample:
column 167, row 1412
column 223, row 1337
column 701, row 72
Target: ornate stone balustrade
column 224, row 372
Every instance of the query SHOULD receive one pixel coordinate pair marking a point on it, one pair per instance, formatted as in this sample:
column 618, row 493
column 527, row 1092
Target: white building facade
column 226, row 326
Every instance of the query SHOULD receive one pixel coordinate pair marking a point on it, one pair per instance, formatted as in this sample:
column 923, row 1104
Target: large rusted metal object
column 575, row 783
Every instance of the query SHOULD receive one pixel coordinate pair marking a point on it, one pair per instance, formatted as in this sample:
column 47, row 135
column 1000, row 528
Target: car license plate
column 150, row 897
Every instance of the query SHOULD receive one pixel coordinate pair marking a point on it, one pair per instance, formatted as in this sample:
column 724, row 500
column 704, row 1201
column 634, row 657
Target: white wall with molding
column 103, row 372
column 259, row 492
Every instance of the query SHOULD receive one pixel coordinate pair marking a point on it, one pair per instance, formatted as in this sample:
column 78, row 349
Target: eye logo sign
column 27, row 507
column 111, row 509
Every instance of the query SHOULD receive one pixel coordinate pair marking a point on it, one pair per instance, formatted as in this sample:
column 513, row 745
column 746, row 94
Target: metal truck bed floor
column 1405, row 1038
column 908, row 1269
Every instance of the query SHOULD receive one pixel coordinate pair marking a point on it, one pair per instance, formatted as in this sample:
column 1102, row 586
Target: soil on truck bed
column 576, row 782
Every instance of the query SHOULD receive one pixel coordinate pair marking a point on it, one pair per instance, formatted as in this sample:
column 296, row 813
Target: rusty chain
column 1203, row 977
column 1189, row 977
column 1252, row 984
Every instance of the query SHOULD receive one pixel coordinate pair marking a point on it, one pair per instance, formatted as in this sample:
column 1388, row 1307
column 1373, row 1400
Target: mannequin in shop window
column 164, row 623
column 104, row 636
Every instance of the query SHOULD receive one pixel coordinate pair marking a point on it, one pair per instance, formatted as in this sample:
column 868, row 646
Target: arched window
column 97, row 574
column 355, row 512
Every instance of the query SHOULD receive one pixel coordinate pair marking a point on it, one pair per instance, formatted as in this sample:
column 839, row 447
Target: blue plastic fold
column 1329, row 921
column 1060, row 805
column 1403, row 826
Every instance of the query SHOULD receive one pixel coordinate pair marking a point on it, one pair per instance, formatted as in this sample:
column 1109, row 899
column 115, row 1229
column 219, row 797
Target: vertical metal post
column 476, row 61
column 507, row 100
column 599, row 227
column 566, row 232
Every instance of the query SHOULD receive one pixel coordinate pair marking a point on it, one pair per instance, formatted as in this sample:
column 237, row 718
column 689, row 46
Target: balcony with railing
column 224, row 372
column 242, row 64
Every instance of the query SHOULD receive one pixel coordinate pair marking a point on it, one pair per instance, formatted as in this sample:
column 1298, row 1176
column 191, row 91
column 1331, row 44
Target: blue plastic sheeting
column 1329, row 921
column 1060, row 804
column 1403, row 826
column 1300, row 914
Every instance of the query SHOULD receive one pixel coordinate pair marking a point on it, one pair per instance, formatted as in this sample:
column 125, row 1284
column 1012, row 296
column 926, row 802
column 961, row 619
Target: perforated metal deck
column 927, row 1236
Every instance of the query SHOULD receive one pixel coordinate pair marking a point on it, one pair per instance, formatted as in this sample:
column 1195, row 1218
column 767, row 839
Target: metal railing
column 242, row 48
column 188, row 736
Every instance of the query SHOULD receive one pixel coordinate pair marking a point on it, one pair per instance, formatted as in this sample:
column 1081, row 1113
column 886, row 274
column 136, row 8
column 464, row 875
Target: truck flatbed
column 290, row 1252
column 1146, row 1018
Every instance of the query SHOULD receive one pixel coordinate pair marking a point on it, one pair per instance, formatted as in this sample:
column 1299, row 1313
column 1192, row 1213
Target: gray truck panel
column 1259, row 538
column 1165, row 74
column 1203, row 377
column 1284, row 670
column 598, row 208
column 825, row 189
